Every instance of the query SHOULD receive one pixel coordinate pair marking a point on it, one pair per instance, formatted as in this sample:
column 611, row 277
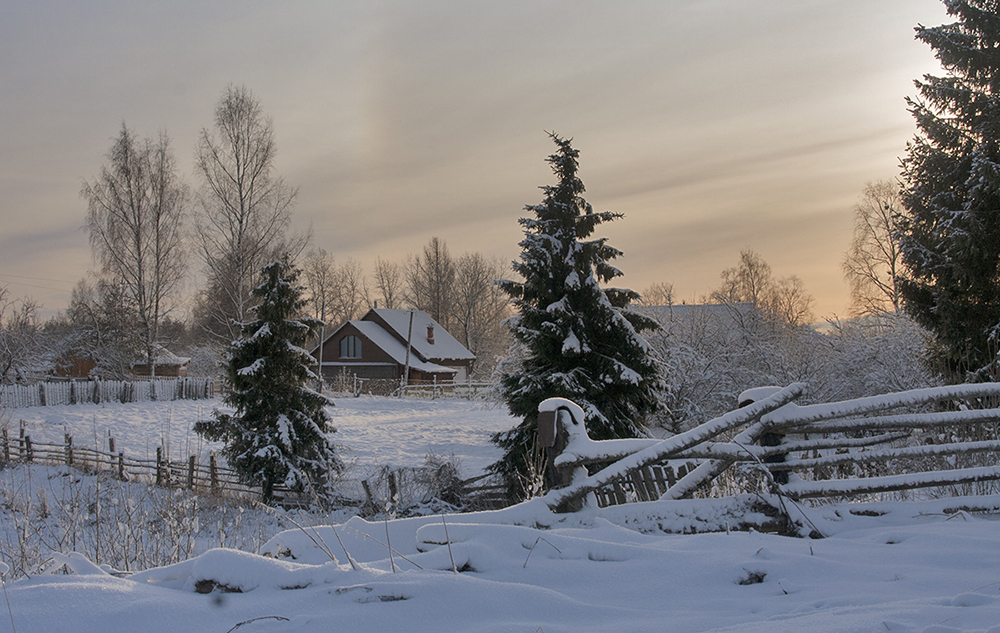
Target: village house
column 375, row 347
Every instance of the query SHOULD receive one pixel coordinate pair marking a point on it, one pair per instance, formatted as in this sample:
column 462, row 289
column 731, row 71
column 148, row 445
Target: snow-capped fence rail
column 97, row 391
column 828, row 447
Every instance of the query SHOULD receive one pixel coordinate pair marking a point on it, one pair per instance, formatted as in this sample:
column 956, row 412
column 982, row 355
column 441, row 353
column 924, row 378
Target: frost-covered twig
column 263, row 617
column 540, row 538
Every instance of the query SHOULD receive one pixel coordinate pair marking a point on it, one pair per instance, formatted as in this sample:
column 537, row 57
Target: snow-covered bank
column 910, row 570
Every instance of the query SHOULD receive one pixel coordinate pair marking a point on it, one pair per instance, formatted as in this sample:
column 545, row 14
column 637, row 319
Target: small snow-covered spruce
column 580, row 341
column 278, row 432
column 949, row 235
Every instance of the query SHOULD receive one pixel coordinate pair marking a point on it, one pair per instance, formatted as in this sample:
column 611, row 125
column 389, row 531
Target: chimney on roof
column 430, row 334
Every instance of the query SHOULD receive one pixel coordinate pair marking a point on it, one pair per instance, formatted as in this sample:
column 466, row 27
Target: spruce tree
column 277, row 434
column 578, row 340
column 950, row 230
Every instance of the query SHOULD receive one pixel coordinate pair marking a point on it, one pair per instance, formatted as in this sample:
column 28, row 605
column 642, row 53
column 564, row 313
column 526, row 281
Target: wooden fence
column 98, row 391
column 190, row 473
column 944, row 437
column 390, row 489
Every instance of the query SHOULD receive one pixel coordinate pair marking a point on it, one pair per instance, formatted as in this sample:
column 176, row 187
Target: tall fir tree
column 579, row 341
column 278, row 432
column 950, row 231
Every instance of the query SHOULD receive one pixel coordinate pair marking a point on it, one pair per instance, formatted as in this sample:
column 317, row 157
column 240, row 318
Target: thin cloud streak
column 713, row 125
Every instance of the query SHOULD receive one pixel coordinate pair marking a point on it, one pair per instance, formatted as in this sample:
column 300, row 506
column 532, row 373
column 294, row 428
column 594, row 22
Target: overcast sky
column 713, row 125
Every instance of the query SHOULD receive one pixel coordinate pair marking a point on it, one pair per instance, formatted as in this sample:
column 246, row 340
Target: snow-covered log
column 560, row 499
column 903, row 421
column 824, row 443
column 797, row 416
column 891, row 483
column 912, row 452
column 712, row 468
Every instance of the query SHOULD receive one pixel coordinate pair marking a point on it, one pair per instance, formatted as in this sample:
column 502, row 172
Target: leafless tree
column 479, row 308
column 20, row 338
column 104, row 327
column 785, row 300
column 790, row 301
column 135, row 220
column 429, row 279
column 660, row 293
column 872, row 263
column 320, row 273
column 349, row 292
column 245, row 207
column 389, row 283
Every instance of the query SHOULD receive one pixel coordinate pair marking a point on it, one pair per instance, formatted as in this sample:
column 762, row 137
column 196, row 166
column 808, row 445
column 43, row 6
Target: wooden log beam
column 561, row 499
column 890, row 483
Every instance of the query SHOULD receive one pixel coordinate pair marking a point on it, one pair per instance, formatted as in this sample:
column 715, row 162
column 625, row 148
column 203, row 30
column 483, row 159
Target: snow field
column 919, row 568
column 928, row 575
column 371, row 431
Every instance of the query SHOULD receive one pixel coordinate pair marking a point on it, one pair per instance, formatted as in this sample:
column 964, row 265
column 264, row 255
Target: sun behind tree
column 277, row 435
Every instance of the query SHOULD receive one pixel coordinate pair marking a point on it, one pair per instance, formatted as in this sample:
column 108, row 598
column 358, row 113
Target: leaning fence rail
column 846, row 449
column 97, row 391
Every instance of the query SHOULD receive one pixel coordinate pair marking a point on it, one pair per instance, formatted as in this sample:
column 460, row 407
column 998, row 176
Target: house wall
column 370, row 353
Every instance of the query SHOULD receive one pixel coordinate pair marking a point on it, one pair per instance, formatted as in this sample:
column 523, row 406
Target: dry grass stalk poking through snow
column 122, row 526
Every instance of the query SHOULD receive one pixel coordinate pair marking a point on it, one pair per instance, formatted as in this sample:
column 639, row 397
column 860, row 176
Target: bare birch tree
column 389, row 283
column 873, row 262
column 20, row 338
column 479, row 307
column 135, row 221
column 245, row 207
column 429, row 279
column 782, row 300
column 349, row 292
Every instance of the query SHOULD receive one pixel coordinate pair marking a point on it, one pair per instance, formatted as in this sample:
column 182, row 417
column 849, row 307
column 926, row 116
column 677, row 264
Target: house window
column 350, row 347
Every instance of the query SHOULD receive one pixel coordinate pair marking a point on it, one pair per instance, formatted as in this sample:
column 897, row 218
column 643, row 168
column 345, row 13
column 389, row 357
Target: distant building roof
column 442, row 345
column 397, row 350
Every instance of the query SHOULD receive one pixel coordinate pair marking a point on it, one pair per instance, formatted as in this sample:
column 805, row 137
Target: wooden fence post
column 121, row 466
column 159, row 465
column 69, row 449
column 213, row 472
column 111, row 445
column 191, row 472
column 368, row 494
column 6, row 447
column 27, row 449
column 393, row 491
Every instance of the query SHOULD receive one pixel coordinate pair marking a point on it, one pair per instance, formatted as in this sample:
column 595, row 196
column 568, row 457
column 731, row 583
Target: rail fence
column 946, row 438
column 97, row 391
column 389, row 489
column 189, row 473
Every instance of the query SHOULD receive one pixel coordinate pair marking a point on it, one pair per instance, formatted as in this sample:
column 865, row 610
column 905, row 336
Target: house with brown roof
column 383, row 343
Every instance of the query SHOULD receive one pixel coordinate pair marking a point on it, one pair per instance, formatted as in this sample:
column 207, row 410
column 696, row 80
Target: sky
column 713, row 125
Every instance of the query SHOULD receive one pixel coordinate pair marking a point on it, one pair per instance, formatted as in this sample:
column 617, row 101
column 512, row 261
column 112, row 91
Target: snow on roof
column 391, row 346
column 445, row 346
column 163, row 357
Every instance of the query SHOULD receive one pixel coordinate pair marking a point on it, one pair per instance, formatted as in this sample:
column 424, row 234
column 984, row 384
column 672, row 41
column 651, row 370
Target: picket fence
column 98, row 391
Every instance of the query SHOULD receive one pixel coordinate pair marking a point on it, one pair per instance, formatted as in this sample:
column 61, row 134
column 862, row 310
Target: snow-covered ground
column 371, row 431
column 913, row 568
